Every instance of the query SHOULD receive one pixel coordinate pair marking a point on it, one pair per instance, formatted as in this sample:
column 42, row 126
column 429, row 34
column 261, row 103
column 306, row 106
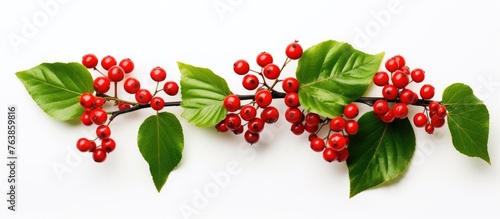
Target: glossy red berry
column 101, row 84
column 103, row 131
column 290, row 85
column 420, row 120
column 251, row 137
column 83, row 144
column 400, row 79
column 407, row 96
column 311, row 128
column 390, row 92
column 351, row 111
column 248, row 112
column 157, row 103
column 263, row 98
column 312, row 119
column 99, row 155
column 388, row 117
column 351, row 127
column 271, row 71
column 292, row 99
column 337, row 141
column 171, row 88
column 381, row 78
column 297, row 128
column 264, row 58
column 233, row 121
column 98, row 116
column 250, row 82
column 441, row 111
column 87, row 100
column 86, row 119
column 158, row 74
column 427, row 91
column 131, row 85
column 342, row 155
column 294, row 50
column 293, row 115
column 108, row 145
column 329, row 155
column 400, row 60
column 98, row 102
column 256, row 125
column 143, row 96
column 93, row 146
column 270, row 114
column 238, row 130
column 127, row 65
column 89, row 61
column 437, row 122
column 232, row 103
column 400, row 110
column 429, row 128
column 380, row 107
column 433, row 106
column 392, row 65
column 241, row 67
column 123, row 106
column 108, row 62
column 417, row 75
column 317, row 144
column 337, row 124
column 221, row 127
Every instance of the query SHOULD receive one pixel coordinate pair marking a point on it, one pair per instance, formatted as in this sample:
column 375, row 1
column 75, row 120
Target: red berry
column 351, row 111
column 158, row 74
column 171, row 88
column 400, row 110
column 312, row 119
column 392, row 65
column 441, row 111
column 380, row 107
column 342, row 155
column 238, row 130
column 83, row 144
column 101, row 84
column 312, row 136
column 248, row 112
column 329, row 155
column 108, row 62
column 221, row 127
column 250, row 82
column 294, row 50
column 418, row 75
column 232, row 103
column 87, row 100
column 381, row 78
column 123, row 106
column 241, row 67
column 98, row 116
column 297, row 128
column 103, row 131
column 388, row 117
column 143, row 96
column 251, row 137
column 433, row 106
column 420, row 120
column 157, row 103
column 311, row 128
column 99, row 155
column 89, row 61
column 264, row 58
column 337, row 142
column 293, row 115
column 390, row 92
column 437, row 122
column 271, row 71
column 263, row 98
column 86, row 119
column 98, row 102
column 400, row 60
column 415, row 98
column 93, row 146
column 317, row 144
column 407, row 96
column 131, row 85
column 337, row 124
column 351, row 127
column 400, row 79
column 127, row 65
column 290, row 85
column 429, row 128
column 256, row 125
column 427, row 92
column 270, row 114
column 233, row 121
column 292, row 99
column 108, row 145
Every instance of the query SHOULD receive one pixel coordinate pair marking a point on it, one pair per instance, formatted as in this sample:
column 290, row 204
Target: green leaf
column 379, row 152
column 161, row 142
column 468, row 121
column 203, row 93
column 56, row 88
column 333, row 74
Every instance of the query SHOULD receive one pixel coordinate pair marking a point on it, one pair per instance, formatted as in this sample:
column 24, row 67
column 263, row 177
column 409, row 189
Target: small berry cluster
column 238, row 113
column 401, row 76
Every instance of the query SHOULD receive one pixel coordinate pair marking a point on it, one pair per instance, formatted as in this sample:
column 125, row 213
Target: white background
column 454, row 41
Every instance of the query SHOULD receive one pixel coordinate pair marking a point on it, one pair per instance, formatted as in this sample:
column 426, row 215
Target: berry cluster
column 401, row 76
column 93, row 104
column 247, row 115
